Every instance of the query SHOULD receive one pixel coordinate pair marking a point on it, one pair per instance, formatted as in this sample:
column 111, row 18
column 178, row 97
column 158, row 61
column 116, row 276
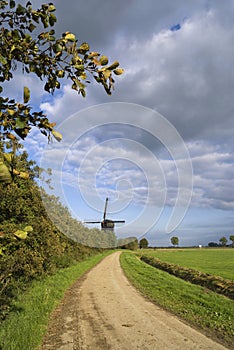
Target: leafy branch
column 51, row 59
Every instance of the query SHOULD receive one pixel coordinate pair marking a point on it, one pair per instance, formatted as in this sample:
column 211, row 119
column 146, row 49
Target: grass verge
column 26, row 326
column 203, row 309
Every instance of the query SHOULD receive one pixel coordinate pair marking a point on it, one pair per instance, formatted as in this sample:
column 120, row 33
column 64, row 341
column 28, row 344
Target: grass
column 206, row 310
column 217, row 262
column 25, row 328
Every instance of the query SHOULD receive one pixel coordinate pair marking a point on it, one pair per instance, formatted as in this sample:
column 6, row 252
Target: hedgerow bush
column 31, row 246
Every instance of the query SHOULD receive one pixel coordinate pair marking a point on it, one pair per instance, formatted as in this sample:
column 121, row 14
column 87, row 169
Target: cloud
column 213, row 176
column 186, row 75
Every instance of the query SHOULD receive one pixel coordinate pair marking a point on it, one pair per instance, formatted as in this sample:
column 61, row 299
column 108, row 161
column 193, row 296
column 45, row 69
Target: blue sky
column 178, row 61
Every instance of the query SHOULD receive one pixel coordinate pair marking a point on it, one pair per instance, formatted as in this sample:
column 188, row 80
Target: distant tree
column 232, row 239
column 212, row 244
column 174, row 240
column 128, row 243
column 143, row 243
column 223, row 241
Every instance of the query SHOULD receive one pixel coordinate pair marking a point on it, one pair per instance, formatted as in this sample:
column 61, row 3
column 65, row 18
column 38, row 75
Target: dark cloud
column 99, row 22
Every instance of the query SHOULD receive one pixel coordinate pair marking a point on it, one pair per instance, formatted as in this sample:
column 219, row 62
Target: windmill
column 106, row 224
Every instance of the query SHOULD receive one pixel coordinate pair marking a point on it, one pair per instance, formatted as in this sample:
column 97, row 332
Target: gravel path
column 103, row 311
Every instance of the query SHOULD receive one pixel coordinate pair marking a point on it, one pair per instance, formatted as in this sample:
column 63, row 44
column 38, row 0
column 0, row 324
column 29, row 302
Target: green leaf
column 57, row 135
column 26, row 94
column 103, row 60
column 20, row 10
column 20, row 123
column 15, row 34
column 83, row 93
column 31, row 27
column 5, row 175
column 3, row 60
column 12, row 4
column 52, row 19
column 45, row 22
column 57, row 48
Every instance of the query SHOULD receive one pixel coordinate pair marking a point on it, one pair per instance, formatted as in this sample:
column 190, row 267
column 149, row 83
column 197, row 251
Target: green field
column 217, row 262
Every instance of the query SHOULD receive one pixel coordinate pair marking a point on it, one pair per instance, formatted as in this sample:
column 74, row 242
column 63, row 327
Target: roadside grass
column 203, row 309
column 26, row 326
column 217, row 262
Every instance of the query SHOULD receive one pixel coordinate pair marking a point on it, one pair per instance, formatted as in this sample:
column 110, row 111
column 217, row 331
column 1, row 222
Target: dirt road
column 103, row 311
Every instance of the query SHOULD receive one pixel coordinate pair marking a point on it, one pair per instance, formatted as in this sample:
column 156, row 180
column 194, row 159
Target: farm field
column 217, row 262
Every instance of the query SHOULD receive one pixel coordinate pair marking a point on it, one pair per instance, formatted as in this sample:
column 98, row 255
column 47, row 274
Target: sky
column 161, row 147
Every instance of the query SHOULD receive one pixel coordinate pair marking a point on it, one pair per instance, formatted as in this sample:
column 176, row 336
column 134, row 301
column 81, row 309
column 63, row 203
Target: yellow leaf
column 23, row 175
column 57, row 135
column 93, row 54
column 21, row 234
column 107, row 74
column 8, row 157
column 70, row 37
column 26, row 94
column 28, row 229
column 11, row 136
column 114, row 65
column 16, row 172
column 11, row 111
column 84, row 47
column 119, row 71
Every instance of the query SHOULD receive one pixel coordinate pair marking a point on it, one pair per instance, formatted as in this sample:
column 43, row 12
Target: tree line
column 222, row 242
